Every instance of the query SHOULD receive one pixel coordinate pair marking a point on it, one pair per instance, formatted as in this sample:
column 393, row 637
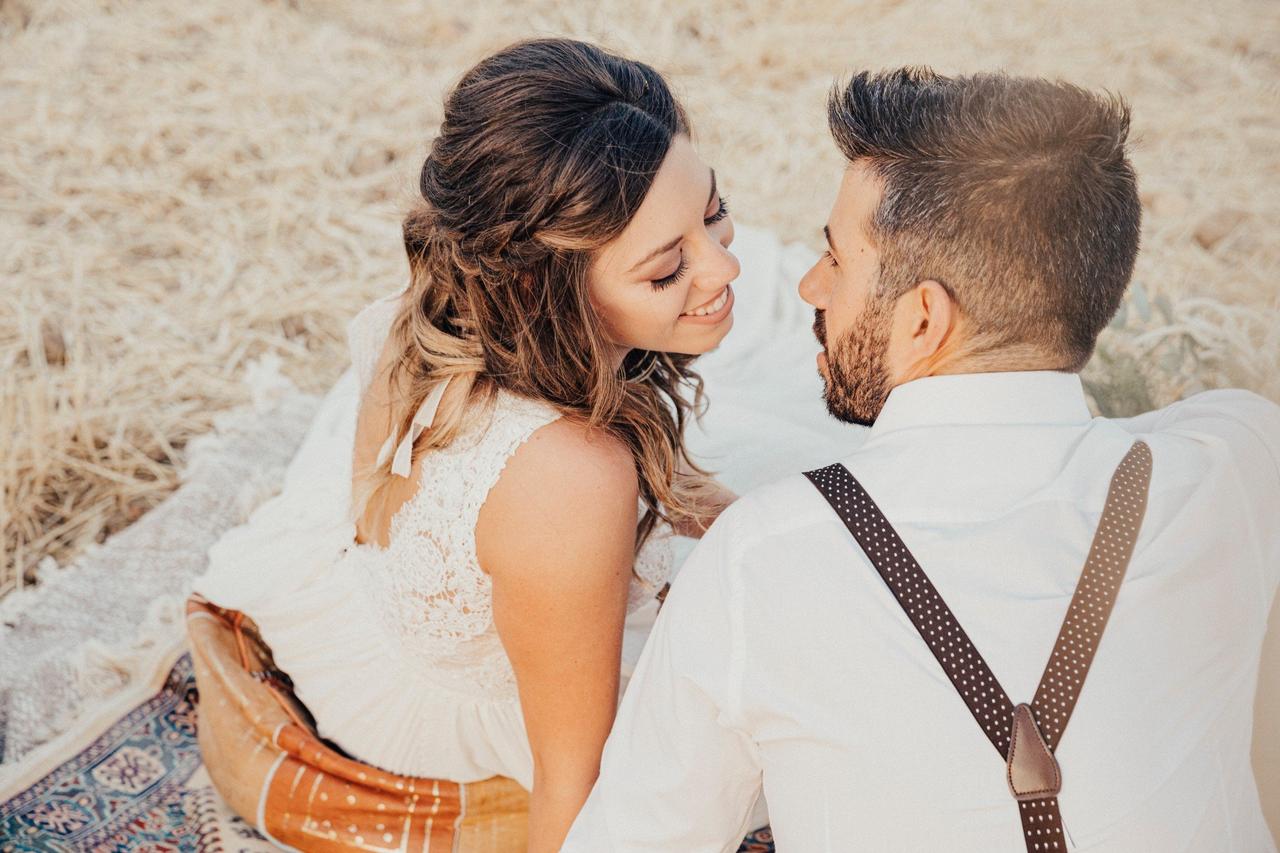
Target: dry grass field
column 187, row 186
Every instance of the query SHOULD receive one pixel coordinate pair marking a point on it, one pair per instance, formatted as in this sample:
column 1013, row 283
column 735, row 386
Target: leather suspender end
column 1032, row 770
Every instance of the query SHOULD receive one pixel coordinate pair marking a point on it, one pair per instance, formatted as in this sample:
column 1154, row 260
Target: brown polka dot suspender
column 1025, row 735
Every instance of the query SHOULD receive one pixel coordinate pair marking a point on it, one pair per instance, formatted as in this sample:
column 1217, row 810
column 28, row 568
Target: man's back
column 793, row 661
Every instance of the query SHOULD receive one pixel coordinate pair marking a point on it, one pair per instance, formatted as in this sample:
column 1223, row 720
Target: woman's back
column 393, row 649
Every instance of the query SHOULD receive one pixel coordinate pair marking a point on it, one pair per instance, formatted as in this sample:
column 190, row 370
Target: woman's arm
column 556, row 535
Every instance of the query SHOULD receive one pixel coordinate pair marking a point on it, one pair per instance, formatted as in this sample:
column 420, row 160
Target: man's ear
column 928, row 319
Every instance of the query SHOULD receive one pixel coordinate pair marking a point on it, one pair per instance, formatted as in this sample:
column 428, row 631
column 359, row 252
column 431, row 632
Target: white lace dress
column 394, row 649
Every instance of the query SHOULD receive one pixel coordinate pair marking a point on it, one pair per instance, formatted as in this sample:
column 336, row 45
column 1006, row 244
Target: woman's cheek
column 650, row 320
column 632, row 322
column 673, row 307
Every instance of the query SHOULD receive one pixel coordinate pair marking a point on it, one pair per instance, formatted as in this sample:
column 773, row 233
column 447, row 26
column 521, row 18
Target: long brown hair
column 547, row 149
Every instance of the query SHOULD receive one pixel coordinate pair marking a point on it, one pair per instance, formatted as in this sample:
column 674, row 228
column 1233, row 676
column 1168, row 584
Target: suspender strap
column 1095, row 594
column 1026, row 735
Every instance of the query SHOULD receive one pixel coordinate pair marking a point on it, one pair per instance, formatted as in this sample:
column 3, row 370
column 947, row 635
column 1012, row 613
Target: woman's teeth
column 709, row 308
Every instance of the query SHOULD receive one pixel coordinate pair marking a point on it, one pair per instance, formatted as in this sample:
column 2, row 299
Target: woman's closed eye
column 720, row 213
column 666, row 281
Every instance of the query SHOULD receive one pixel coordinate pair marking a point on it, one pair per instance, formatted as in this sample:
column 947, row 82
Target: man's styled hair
column 1014, row 193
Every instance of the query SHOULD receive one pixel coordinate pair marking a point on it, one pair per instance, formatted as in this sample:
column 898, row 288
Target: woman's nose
column 722, row 267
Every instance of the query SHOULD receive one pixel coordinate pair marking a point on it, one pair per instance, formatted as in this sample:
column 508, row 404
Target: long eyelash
column 831, row 259
column 721, row 213
column 661, row 283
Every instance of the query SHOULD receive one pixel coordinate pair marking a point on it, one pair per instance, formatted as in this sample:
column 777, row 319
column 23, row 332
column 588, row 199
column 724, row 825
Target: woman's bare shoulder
column 566, row 490
column 568, row 453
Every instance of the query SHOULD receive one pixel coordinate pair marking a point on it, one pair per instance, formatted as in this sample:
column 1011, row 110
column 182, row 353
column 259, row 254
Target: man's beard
column 857, row 381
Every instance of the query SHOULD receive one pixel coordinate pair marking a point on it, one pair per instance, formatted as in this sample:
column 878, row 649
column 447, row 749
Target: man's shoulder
column 1244, row 424
column 1204, row 409
column 751, row 546
column 764, row 513
column 778, row 506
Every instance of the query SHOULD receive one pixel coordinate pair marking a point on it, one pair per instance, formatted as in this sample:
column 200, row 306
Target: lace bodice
column 426, row 588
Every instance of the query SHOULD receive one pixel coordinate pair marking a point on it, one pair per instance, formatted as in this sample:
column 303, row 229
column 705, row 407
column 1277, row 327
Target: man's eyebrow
column 662, row 250
column 826, row 230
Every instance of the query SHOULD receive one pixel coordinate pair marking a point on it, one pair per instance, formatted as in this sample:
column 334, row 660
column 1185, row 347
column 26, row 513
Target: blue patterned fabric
column 130, row 790
column 126, row 790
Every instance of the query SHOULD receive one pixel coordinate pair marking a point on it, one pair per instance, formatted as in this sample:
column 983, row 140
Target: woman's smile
column 713, row 311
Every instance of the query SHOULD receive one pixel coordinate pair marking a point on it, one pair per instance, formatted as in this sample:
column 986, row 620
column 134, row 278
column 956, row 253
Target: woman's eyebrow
column 662, row 250
column 659, row 251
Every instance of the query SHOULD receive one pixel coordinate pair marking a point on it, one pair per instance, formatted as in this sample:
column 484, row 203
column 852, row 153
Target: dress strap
column 1026, row 735
column 457, row 478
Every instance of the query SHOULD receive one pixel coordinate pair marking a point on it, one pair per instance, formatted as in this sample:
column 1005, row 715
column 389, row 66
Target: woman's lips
column 726, row 297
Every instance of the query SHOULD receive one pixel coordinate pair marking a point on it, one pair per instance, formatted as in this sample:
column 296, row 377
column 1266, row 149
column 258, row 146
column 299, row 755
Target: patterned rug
column 140, row 786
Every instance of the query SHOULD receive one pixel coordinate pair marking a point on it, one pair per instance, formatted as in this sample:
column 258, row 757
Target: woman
column 518, row 457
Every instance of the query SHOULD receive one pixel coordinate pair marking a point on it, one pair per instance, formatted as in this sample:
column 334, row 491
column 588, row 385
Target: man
column 984, row 233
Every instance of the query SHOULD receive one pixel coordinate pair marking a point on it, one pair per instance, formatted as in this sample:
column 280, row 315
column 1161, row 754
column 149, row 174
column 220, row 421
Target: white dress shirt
column 782, row 661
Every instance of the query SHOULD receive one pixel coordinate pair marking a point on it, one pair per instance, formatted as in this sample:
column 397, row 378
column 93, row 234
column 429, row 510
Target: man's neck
column 1006, row 359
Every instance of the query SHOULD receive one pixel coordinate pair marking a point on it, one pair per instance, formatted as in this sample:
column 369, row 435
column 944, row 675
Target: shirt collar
column 1014, row 397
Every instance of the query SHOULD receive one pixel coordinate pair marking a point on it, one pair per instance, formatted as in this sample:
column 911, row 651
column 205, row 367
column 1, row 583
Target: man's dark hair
column 1014, row 193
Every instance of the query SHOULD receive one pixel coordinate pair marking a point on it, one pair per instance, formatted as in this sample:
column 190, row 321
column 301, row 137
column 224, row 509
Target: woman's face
column 663, row 283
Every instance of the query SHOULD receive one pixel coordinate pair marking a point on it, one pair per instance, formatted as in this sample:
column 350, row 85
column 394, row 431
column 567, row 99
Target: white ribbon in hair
column 423, row 418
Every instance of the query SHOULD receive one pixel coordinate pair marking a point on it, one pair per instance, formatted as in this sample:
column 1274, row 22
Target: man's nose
column 811, row 289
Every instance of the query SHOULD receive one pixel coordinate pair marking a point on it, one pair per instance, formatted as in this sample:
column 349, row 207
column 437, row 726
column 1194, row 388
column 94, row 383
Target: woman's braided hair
column 547, row 149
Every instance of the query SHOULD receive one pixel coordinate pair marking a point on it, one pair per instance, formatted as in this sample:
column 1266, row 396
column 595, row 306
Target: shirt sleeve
column 676, row 773
column 1246, row 428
